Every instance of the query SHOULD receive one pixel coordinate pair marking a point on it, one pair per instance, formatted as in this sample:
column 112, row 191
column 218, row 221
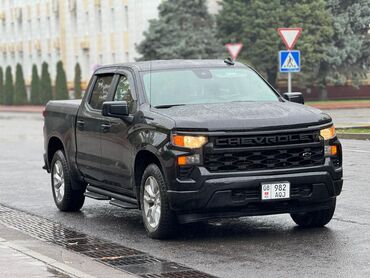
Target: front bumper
column 210, row 195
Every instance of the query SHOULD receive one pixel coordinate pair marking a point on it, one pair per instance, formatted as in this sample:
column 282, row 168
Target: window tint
column 100, row 91
column 123, row 92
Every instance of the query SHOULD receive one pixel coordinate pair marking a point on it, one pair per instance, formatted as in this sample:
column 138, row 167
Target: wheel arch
column 144, row 158
column 54, row 144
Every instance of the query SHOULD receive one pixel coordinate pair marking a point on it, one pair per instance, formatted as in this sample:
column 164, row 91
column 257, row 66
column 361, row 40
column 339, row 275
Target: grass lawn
column 340, row 101
column 353, row 130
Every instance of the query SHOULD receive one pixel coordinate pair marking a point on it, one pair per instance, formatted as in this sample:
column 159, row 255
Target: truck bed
column 60, row 122
column 64, row 106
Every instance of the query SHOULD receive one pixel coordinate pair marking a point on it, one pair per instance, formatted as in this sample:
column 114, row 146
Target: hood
column 244, row 116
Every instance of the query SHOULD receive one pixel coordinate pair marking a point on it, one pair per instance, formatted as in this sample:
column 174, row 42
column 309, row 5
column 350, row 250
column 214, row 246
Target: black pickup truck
column 192, row 140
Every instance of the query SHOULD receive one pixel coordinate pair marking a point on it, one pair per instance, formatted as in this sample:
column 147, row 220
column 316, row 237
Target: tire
column 314, row 219
column 65, row 198
column 160, row 221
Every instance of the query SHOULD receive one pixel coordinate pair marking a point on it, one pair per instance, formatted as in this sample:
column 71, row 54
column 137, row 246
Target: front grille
column 230, row 141
column 265, row 157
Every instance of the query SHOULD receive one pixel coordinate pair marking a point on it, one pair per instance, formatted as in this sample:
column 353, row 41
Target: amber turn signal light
column 188, row 160
column 181, row 160
column 191, row 142
column 331, row 150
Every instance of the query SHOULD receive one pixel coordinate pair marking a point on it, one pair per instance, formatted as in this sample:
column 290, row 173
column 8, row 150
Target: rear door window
column 100, row 91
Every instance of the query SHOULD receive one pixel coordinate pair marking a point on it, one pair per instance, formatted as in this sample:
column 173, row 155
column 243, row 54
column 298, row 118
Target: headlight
column 328, row 133
column 191, row 142
column 188, row 160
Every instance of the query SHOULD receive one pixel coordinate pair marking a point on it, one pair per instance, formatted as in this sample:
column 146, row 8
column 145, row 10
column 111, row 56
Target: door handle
column 106, row 127
column 80, row 124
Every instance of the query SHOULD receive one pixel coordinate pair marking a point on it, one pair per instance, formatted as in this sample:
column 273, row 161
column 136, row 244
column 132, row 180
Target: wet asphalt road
column 269, row 246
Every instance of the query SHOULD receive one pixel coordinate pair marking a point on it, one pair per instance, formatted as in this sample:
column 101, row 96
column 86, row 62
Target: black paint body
column 106, row 152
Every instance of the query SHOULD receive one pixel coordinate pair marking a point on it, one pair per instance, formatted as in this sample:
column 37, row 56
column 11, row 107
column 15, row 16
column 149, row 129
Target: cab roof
column 170, row 64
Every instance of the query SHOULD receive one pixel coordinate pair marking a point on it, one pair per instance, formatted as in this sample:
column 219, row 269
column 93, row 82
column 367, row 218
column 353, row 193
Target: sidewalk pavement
column 16, row 264
column 22, row 256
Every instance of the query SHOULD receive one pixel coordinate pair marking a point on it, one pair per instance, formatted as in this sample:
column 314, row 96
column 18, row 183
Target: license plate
column 275, row 191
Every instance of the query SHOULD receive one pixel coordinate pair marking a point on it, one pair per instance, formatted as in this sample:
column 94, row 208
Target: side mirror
column 294, row 97
column 116, row 109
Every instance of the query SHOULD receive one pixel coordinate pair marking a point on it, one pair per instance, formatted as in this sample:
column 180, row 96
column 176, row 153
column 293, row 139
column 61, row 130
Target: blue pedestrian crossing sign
column 290, row 61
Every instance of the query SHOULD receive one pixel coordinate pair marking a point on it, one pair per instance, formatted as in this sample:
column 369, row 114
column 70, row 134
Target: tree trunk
column 271, row 77
column 323, row 93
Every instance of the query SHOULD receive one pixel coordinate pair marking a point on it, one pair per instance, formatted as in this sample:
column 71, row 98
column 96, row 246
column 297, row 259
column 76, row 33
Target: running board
column 112, row 195
column 123, row 204
column 96, row 196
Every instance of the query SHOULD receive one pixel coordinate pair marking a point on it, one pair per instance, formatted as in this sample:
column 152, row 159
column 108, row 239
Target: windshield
column 205, row 85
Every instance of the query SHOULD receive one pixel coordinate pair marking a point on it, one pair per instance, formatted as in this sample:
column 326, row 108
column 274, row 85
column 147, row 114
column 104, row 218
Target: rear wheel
column 65, row 198
column 315, row 218
column 159, row 220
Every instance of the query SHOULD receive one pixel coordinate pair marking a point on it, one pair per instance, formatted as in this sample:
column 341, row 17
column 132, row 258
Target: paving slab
column 23, row 256
column 16, row 264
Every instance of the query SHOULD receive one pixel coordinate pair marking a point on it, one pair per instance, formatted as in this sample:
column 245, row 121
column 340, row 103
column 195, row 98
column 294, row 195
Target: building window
column 39, row 26
column 29, row 25
column 113, row 20
column 12, row 28
column 56, row 30
column 48, row 26
column 74, row 21
column 21, row 60
column 86, row 24
column 99, row 20
column 126, row 18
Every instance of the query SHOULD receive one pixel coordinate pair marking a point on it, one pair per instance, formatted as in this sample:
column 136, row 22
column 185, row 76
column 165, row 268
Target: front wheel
column 315, row 218
column 159, row 220
column 65, row 197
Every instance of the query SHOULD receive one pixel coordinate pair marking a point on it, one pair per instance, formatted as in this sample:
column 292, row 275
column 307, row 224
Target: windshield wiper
column 167, row 106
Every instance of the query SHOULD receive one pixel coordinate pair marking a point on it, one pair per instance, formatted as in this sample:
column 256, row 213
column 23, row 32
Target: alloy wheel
column 152, row 202
column 58, row 181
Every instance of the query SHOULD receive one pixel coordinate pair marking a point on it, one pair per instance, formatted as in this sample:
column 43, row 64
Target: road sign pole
column 289, row 62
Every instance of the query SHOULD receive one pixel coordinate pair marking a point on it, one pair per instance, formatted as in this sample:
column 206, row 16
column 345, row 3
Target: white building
column 90, row 32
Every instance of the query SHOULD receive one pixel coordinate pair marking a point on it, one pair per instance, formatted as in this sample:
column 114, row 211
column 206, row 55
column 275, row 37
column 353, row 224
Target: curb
column 22, row 109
